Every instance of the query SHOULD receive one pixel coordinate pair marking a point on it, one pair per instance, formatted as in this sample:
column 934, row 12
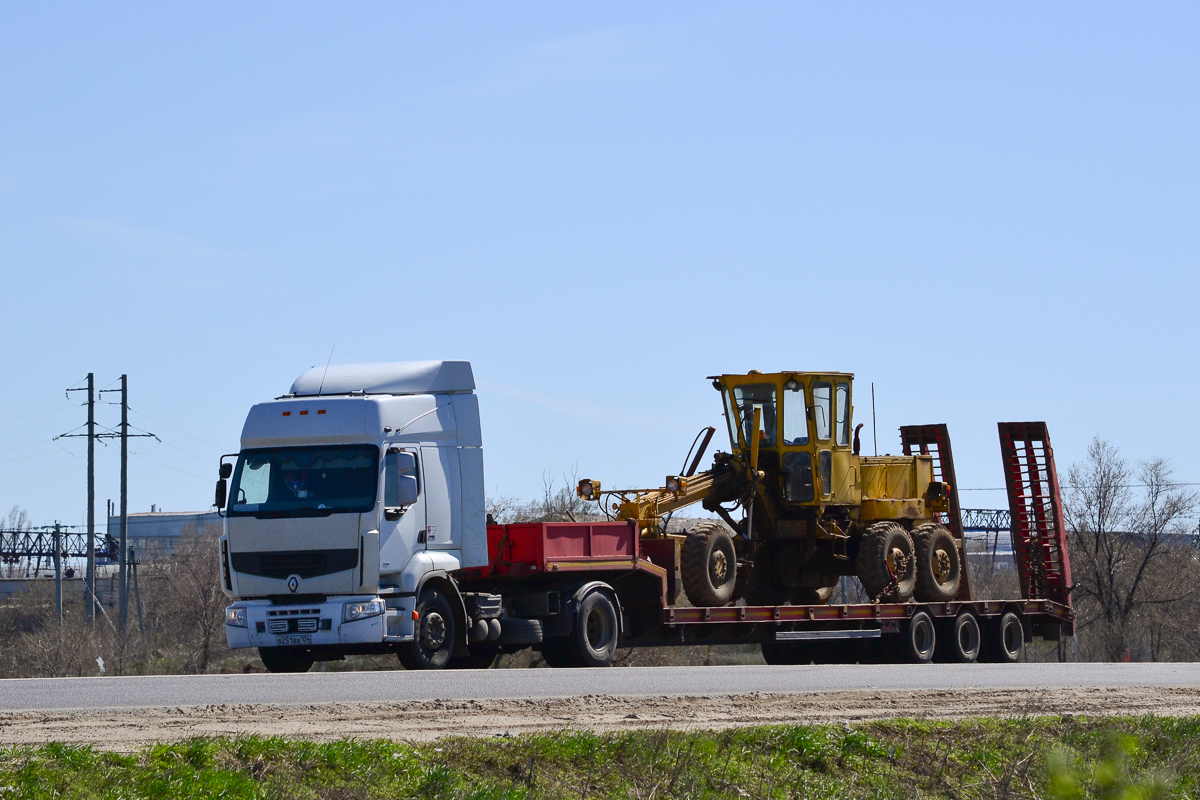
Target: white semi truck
column 355, row 524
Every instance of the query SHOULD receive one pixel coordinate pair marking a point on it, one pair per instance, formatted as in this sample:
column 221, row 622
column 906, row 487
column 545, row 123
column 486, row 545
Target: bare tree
column 185, row 601
column 1127, row 548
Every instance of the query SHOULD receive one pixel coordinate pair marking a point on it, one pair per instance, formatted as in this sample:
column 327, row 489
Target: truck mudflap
column 357, row 620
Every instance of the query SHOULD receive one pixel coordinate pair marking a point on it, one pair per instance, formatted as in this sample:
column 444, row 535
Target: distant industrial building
column 156, row 533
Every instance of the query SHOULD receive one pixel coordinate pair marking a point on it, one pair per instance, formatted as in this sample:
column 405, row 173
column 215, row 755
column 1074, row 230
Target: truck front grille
column 304, row 563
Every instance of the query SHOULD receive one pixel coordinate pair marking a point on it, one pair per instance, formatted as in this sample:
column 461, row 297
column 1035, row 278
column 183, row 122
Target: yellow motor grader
column 805, row 507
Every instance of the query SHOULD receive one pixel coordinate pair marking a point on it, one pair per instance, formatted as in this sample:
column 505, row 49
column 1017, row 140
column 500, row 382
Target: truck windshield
column 305, row 481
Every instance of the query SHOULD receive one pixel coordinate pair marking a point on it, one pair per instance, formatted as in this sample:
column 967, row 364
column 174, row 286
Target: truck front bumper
column 317, row 624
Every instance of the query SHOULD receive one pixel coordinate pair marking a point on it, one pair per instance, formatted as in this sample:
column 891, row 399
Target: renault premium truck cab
column 359, row 488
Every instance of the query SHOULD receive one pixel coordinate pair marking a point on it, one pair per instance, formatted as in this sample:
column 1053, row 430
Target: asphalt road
column 47, row 694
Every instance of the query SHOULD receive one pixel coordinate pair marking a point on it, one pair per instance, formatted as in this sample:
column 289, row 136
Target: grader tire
column 939, row 567
column 709, row 565
column 886, row 567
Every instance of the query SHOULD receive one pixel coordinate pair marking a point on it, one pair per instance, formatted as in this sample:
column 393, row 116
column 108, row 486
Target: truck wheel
column 885, row 564
column 1005, row 642
column 286, row 659
column 963, row 639
column 918, row 639
column 939, row 568
column 434, row 641
column 596, row 630
column 709, row 565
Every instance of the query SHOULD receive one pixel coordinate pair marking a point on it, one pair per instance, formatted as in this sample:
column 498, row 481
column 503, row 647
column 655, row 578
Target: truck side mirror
column 407, row 490
column 222, row 491
column 226, row 470
column 400, row 487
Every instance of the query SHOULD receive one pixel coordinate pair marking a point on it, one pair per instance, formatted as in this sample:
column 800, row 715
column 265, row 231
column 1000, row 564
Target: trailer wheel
column 286, row 659
column 918, row 639
column 1006, row 640
column 885, row 563
column 965, row 640
column 433, row 644
column 939, row 567
column 708, row 565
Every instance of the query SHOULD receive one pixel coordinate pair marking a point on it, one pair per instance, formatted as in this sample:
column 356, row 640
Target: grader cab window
column 822, row 406
column 795, row 418
column 750, row 396
column 843, row 413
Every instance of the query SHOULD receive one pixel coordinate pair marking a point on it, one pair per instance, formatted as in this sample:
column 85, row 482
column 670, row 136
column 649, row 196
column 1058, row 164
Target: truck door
column 401, row 526
column 443, row 504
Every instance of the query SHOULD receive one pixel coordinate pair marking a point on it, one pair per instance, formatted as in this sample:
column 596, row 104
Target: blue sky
column 988, row 210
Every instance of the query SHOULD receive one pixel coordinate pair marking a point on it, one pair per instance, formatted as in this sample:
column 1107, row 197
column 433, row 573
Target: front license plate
column 292, row 641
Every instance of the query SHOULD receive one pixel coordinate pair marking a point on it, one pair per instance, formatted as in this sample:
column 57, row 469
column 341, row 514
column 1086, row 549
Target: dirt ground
column 125, row 730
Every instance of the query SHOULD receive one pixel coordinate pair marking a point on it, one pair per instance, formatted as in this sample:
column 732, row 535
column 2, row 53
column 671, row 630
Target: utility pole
column 123, row 545
column 89, row 575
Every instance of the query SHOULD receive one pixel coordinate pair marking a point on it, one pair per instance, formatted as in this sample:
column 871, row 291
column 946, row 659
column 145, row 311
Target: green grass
column 1045, row 757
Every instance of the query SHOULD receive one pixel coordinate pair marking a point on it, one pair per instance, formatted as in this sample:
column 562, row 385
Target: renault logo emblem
column 294, row 583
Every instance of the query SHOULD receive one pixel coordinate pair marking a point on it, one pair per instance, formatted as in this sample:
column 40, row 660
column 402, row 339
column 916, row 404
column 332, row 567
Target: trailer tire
column 886, row 548
column 1006, row 640
column 964, row 639
column 939, row 565
column 708, row 565
column 286, row 659
column 433, row 644
column 918, row 639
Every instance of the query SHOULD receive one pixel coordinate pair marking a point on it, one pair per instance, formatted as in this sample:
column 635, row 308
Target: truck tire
column 433, row 644
column 963, row 639
column 886, row 567
column 939, row 567
column 917, row 639
column 1005, row 640
column 286, row 659
column 515, row 630
column 708, row 565
column 597, row 630
column 593, row 643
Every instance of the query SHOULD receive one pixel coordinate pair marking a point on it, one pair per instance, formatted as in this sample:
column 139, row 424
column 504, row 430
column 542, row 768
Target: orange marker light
column 302, row 413
column 320, row 411
column 416, row 616
column 287, row 413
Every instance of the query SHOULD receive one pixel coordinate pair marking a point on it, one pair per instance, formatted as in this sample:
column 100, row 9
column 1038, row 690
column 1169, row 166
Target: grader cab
column 804, row 506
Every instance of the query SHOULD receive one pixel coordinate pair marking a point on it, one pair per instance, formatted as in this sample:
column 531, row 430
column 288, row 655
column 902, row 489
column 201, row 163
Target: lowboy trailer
column 355, row 524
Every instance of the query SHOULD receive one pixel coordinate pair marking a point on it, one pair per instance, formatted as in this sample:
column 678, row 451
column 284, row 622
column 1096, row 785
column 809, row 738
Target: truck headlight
column 369, row 608
column 235, row 616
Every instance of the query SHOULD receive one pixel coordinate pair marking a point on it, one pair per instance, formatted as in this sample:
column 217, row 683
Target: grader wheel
column 708, row 565
column 885, row 564
column 939, row 568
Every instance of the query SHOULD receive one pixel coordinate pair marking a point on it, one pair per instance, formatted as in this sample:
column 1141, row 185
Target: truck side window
column 255, row 483
column 400, row 482
column 795, row 419
column 822, row 402
column 756, row 395
column 843, row 413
